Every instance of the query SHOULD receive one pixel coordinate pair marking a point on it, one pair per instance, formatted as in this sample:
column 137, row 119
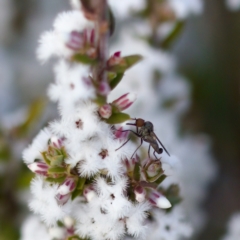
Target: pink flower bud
column 39, row 168
column 67, row 186
column 125, row 101
column 75, row 40
column 130, row 164
column 140, row 193
column 116, row 59
column 105, row 111
column 89, row 193
column 62, row 199
column 157, row 199
column 56, row 142
column 104, row 88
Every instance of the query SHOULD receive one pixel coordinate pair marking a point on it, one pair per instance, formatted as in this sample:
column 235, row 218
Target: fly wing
column 161, row 144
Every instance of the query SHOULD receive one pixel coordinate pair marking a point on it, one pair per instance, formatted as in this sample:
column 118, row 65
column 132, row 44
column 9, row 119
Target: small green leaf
column 84, row 59
column 100, row 100
column 111, row 76
column 76, row 193
column 137, row 172
column 56, row 180
column 118, row 118
column 56, row 170
column 116, row 80
column 161, row 179
column 128, row 62
column 56, row 160
column 80, row 183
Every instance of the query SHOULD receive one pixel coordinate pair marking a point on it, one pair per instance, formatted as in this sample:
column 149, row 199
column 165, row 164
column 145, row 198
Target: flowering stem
column 102, row 29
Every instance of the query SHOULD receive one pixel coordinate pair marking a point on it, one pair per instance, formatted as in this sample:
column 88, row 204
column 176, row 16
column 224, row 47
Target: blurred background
column 208, row 54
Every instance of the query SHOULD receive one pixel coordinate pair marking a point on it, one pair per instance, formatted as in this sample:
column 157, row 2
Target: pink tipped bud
column 39, row 168
column 62, row 199
column 130, row 164
column 89, row 193
column 104, row 88
column 116, row 59
column 56, row 142
column 120, row 134
column 75, row 40
column 68, row 222
column 68, row 186
column 158, row 200
column 105, row 111
column 125, row 101
column 140, row 193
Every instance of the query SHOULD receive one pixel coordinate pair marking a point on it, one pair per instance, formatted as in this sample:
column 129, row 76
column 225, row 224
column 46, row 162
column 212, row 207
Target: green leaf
column 154, row 178
column 161, row 179
column 116, row 80
column 100, row 100
column 56, row 170
column 46, row 159
column 80, row 183
column 76, row 193
column 128, row 62
column 56, row 160
column 173, row 35
column 56, row 180
column 84, row 59
column 137, row 172
column 118, row 118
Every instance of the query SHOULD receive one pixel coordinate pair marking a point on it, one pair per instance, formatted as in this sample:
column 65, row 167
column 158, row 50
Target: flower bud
column 62, row 199
column 68, row 186
column 125, row 101
column 105, row 111
column 68, row 222
column 57, row 232
column 89, row 193
column 104, row 88
column 140, row 193
column 157, row 199
column 39, row 168
column 56, row 142
column 116, row 59
column 130, row 164
column 75, row 40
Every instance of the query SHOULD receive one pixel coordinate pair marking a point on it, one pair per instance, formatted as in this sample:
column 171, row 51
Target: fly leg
column 149, row 151
column 128, row 139
column 137, row 148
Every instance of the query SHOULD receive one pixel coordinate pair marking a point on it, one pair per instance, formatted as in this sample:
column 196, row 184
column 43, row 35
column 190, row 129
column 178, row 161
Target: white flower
column 38, row 145
column 53, row 43
column 44, row 202
column 70, row 86
column 33, row 228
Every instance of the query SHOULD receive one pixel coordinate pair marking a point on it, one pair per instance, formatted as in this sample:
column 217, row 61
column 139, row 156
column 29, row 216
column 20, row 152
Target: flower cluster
column 89, row 183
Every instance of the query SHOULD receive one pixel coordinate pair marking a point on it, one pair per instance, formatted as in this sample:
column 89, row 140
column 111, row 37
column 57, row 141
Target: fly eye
column 160, row 150
column 139, row 122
